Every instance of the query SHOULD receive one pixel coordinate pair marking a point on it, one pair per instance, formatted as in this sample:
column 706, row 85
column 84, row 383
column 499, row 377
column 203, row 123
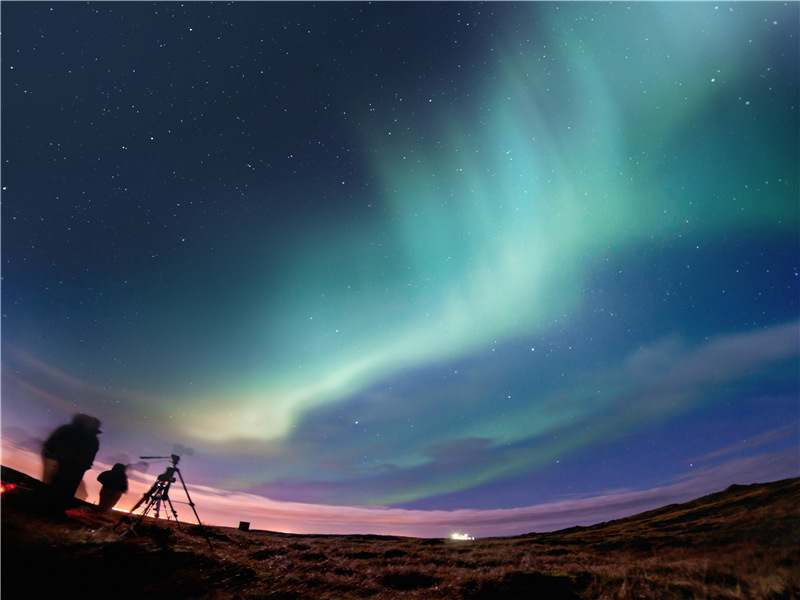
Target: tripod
column 157, row 498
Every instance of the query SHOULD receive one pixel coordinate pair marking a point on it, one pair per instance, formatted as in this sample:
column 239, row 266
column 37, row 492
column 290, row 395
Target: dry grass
column 741, row 544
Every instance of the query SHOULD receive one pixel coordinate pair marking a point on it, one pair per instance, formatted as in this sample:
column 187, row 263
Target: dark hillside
column 740, row 544
column 765, row 513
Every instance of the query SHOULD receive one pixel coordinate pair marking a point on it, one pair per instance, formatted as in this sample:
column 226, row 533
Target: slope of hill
column 765, row 512
column 742, row 543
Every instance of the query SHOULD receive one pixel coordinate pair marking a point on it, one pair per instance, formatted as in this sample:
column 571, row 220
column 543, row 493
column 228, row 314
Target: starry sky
column 406, row 267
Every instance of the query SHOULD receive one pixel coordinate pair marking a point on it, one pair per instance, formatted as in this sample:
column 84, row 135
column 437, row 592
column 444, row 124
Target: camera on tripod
column 157, row 497
column 167, row 476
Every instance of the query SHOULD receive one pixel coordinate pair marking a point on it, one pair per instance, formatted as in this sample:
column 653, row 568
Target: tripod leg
column 183, row 483
column 133, row 524
column 147, row 496
column 152, row 503
column 153, row 499
column 174, row 512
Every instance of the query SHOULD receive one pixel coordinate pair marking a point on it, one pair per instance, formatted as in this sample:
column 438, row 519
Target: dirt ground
column 743, row 543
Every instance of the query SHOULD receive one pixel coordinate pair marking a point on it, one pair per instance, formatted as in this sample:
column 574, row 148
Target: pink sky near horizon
column 227, row 509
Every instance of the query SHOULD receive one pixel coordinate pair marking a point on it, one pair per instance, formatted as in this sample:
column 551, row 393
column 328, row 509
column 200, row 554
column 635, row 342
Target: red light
column 5, row 487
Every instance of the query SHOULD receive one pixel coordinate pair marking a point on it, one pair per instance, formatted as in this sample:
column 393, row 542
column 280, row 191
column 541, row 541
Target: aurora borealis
column 416, row 256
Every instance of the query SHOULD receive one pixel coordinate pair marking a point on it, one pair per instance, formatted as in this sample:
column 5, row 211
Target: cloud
column 23, row 439
column 787, row 432
column 457, row 454
column 721, row 359
column 34, row 386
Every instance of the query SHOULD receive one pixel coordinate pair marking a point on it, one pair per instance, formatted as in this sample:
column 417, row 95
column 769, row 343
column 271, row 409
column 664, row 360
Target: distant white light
column 461, row 536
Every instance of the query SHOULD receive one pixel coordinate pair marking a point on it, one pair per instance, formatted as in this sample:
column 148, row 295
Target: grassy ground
column 743, row 543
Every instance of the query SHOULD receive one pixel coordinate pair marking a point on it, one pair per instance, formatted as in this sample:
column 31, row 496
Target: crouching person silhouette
column 115, row 483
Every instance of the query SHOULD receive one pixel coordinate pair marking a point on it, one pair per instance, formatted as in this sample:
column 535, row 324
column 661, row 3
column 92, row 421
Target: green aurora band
column 492, row 211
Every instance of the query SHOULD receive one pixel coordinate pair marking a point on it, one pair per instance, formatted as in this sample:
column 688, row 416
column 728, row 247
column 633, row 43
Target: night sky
column 497, row 267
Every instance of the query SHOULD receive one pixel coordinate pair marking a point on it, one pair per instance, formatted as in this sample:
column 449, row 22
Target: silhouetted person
column 115, row 483
column 67, row 455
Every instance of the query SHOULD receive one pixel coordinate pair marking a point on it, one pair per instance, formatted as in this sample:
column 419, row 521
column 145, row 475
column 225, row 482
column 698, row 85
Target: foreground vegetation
column 742, row 543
